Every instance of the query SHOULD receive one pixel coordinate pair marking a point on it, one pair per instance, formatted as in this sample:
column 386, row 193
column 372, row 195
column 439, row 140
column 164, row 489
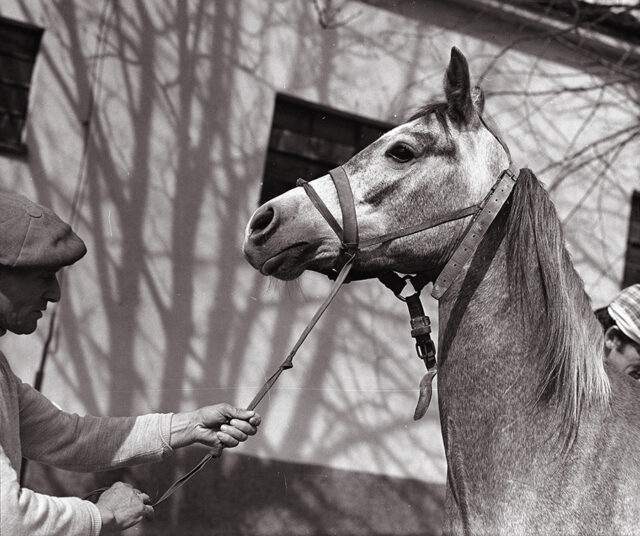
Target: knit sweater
column 32, row 427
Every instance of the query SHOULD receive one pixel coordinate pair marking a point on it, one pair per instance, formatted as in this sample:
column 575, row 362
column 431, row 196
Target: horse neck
column 484, row 388
column 483, row 344
column 492, row 363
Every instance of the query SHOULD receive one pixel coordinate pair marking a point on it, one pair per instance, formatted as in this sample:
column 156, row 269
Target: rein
column 286, row 364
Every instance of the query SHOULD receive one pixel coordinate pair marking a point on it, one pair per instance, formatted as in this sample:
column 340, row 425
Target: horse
column 541, row 436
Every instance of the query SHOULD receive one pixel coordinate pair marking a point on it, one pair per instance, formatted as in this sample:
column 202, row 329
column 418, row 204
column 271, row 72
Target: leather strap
column 322, row 208
column 349, row 236
column 421, row 331
column 427, row 224
column 348, row 232
column 491, row 206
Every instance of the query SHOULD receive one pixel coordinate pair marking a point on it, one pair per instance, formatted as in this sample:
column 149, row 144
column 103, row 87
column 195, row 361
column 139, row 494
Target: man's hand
column 123, row 506
column 220, row 426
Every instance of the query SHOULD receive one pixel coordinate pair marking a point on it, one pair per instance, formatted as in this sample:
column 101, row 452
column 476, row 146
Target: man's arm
column 88, row 444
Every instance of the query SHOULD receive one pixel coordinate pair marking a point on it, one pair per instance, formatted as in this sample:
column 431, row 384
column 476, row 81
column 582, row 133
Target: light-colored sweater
column 32, row 427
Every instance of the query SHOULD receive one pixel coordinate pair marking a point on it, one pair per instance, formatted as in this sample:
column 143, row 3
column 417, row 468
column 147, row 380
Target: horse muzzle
column 284, row 237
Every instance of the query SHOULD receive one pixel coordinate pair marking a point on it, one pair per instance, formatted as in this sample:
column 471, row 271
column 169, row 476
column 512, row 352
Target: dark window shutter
column 19, row 45
column 307, row 140
column 632, row 260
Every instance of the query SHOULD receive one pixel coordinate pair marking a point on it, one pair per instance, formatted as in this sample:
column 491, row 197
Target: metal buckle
column 408, row 282
column 509, row 173
column 426, row 350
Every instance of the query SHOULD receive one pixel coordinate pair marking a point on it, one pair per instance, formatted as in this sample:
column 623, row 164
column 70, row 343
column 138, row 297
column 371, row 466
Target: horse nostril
column 262, row 219
column 262, row 224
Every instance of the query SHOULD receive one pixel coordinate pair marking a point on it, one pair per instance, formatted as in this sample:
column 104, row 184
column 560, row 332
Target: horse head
column 442, row 159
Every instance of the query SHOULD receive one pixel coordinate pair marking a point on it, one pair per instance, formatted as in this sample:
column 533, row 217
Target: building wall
column 148, row 127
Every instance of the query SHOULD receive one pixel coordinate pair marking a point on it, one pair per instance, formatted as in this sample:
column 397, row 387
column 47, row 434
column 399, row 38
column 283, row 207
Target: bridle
column 350, row 244
column 482, row 214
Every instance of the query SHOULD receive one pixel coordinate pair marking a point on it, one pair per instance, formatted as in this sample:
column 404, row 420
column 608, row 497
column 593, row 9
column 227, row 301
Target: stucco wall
column 164, row 313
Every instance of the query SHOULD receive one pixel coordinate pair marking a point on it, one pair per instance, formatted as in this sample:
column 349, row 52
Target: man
column 34, row 245
column 621, row 322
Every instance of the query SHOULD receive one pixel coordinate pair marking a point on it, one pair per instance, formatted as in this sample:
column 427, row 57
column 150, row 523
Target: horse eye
column 401, row 153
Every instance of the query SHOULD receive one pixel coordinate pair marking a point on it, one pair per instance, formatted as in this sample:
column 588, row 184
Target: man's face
column 625, row 356
column 24, row 295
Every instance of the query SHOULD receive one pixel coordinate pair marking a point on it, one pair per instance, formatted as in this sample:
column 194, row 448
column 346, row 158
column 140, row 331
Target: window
column 19, row 44
column 307, row 140
column 632, row 260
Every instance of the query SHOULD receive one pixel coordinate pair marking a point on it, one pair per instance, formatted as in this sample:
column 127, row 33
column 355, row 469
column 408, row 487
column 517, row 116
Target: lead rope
column 286, row 364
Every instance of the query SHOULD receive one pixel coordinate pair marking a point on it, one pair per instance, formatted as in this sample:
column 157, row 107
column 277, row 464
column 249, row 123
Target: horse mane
column 567, row 334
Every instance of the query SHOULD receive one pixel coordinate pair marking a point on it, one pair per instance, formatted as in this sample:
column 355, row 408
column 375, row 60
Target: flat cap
column 32, row 236
column 625, row 310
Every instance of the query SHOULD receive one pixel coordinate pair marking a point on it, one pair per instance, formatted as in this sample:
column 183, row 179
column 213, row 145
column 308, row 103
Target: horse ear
column 457, row 88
